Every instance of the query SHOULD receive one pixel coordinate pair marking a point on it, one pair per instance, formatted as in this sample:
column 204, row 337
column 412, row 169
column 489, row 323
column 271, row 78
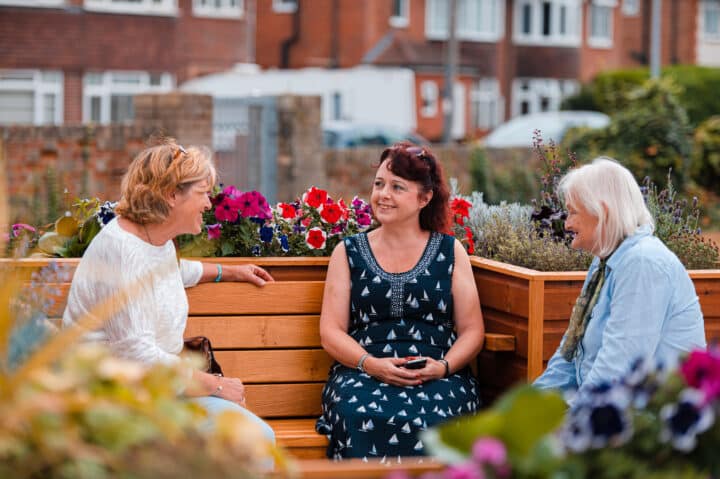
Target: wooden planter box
column 535, row 307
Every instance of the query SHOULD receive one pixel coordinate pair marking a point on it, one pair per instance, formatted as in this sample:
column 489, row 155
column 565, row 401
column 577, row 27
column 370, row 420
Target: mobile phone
column 417, row 363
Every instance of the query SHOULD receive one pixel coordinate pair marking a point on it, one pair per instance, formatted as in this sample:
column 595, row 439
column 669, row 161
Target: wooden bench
column 269, row 337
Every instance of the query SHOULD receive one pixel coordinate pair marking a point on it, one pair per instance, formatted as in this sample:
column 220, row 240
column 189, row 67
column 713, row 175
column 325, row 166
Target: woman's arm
column 236, row 272
column 467, row 317
column 335, row 320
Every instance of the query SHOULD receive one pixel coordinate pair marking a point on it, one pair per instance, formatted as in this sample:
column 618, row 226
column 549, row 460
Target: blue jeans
column 214, row 406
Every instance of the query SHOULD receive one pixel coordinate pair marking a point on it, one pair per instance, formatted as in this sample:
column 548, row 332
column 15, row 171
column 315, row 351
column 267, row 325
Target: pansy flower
column 685, row 420
column 315, row 197
column 315, row 238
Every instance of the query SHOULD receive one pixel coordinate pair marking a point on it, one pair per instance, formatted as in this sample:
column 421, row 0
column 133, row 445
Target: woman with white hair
column 637, row 301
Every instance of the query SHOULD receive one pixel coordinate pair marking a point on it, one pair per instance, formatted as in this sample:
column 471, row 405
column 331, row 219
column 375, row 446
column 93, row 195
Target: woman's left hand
column 247, row 272
column 433, row 369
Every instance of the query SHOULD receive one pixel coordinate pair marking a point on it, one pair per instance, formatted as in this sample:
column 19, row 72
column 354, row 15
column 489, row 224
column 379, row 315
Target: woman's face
column 581, row 222
column 395, row 199
column 189, row 206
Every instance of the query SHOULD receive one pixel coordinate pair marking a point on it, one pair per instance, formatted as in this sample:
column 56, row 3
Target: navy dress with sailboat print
column 395, row 314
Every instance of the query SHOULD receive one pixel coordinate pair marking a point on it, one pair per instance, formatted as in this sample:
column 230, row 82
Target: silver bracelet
column 362, row 361
column 447, row 367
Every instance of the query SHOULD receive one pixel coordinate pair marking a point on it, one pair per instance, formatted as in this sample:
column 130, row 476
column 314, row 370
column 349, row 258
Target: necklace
column 147, row 234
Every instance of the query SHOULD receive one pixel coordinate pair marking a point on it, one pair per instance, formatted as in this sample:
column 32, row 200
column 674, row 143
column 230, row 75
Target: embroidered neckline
column 431, row 249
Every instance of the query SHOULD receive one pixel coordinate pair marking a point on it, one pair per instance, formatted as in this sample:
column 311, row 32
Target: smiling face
column 584, row 224
column 188, row 206
column 395, row 199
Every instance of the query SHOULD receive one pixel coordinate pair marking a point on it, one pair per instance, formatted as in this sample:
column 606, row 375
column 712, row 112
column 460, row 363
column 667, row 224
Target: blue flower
column 603, row 420
column 256, row 250
column 284, row 244
column 106, row 213
column 266, row 234
column 684, row 420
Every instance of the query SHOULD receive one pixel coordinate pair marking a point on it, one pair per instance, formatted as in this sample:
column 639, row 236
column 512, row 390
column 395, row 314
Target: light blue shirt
column 647, row 308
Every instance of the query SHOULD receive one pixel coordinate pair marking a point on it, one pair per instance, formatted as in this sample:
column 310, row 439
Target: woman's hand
column 390, row 370
column 231, row 389
column 246, row 272
column 433, row 369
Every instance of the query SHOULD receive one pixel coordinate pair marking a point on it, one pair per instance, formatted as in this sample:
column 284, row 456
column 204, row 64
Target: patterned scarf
column 581, row 312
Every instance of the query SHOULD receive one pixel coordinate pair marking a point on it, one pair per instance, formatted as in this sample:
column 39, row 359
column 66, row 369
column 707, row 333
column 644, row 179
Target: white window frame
column 403, row 19
column 570, row 9
column 606, row 7
column 631, row 8
column 709, row 7
column 492, row 18
column 224, row 10
column 41, row 83
column 143, row 7
column 488, row 104
column 109, row 84
column 555, row 90
column 33, row 3
column 430, row 94
column 280, row 6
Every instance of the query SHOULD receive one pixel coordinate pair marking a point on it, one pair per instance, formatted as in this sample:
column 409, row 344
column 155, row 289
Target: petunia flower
column 701, row 370
column 466, row 470
column 315, row 238
column 266, row 234
column 252, row 204
column 284, row 244
column 315, row 197
column 18, row 228
column 330, row 213
column 227, row 210
column 231, row 190
column 489, row 450
column 287, row 210
column 685, row 420
column 214, row 231
column 106, row 212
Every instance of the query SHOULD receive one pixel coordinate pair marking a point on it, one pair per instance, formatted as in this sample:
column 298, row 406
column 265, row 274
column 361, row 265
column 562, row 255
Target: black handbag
column 202, row 346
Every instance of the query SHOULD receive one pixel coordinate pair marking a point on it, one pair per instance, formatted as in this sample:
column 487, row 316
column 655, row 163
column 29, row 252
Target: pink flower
column 364, row 219
column 488, row 450
column 230, row 190
column 253, row 205
column 227, row 210
column 214, row 231
column 315, row 238
column 467, row 470
column 18, row 228
column 315, row 197
column 701, row 370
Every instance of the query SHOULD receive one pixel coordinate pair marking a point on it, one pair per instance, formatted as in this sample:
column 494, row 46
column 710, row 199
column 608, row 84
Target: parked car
column 518, row 132
column 343, row 134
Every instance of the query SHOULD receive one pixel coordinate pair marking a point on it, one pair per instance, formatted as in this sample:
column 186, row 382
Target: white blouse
column 149, row 327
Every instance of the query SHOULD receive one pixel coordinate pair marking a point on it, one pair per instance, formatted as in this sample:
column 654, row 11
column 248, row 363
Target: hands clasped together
column 391, row 371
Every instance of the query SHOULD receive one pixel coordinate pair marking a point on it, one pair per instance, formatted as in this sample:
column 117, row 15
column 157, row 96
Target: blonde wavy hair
column 155, row 173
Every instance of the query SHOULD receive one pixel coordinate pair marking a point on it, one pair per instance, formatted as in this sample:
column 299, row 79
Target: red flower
column 470, row 240
column 460, row 209
column 344, row 208
column 288, row 210
column 315, row 197
column 315, row 238
column 331, row 213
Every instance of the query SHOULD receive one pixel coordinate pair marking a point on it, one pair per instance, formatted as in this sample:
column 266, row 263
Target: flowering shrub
column 654, row 423
column 244, row 224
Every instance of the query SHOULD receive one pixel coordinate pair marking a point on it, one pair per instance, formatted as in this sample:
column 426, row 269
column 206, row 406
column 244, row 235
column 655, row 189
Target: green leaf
column 227, row 248
column 462, row 433
column 199, row 246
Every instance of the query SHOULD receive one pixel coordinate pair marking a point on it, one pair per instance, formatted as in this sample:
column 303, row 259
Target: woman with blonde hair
column 163, row 194
column 638, row 301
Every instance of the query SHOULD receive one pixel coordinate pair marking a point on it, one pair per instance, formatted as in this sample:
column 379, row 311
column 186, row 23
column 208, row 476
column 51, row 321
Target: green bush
column 508, row 179
column 705, row 168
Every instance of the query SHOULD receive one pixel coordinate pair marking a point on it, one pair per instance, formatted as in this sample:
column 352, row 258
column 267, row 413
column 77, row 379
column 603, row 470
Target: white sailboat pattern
column 365, row 292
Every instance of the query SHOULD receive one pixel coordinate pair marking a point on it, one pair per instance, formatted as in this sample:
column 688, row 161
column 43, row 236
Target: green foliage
column 508, row 179
column 706, row 154
column 649, row 133
column 582, row 100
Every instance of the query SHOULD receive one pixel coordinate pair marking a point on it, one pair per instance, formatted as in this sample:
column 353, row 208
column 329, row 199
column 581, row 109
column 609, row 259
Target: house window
column 547, row 22
column 284, row 6
column 533, row 95
column 478, row 20
column 31, row 97
column 711, row 20
column 33, row 3
column 400, row 16
column 218, row 8
column 631, row 8
column 108, row 96
column 133, row 7
column 487, row 104
column 429, row 95
column 600, row 23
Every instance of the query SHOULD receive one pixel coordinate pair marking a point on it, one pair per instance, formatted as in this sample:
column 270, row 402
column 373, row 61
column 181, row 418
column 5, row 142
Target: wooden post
column 536, row 306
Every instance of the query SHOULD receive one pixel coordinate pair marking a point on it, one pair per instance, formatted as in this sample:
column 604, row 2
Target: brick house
column 515, row 56
column 73, row 61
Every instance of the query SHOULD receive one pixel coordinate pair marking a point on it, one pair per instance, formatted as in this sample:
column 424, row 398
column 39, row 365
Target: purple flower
column 364, row 219
column 18, row 228
column 214, row 231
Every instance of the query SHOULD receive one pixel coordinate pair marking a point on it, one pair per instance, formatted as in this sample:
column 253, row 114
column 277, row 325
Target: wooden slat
column 297, row 433
column 357, row 469
column 285, row 400
column 248, row 332
column 282, row 297
column 276, row 365
column 307, row 452
column 499, row 342
column 504, row 294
